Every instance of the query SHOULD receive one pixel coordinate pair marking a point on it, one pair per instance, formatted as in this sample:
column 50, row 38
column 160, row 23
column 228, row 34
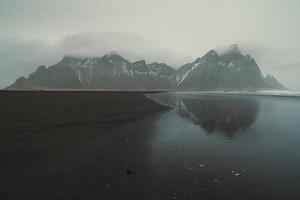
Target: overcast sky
column 40, row 32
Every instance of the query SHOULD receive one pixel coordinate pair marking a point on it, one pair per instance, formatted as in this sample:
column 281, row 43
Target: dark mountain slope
column 228, row 71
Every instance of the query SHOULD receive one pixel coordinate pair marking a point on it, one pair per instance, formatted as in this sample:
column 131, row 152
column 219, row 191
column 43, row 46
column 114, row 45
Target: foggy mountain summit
column 233, row 49
column 230, row 70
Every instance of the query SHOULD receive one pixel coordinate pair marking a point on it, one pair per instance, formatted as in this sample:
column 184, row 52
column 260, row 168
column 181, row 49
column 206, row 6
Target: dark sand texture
column 124, row 146
column 70, row 145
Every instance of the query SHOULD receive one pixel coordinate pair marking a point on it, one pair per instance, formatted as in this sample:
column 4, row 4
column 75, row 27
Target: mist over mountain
column 230, row 70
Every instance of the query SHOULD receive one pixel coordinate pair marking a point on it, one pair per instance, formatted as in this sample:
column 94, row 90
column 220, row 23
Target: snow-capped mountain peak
column 211, row 71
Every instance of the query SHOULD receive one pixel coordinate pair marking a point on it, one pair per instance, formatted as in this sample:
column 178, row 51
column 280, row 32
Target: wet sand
column 70, row 145
column 122, row 145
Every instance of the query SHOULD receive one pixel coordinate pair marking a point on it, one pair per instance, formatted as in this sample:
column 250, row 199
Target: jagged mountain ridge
column 231, row 71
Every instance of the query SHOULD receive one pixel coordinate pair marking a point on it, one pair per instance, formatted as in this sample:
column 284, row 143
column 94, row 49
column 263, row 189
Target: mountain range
column 230, row 70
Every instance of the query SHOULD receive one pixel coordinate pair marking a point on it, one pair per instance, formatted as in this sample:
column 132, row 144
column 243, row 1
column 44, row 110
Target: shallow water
column 206, row 146
column 228, row 145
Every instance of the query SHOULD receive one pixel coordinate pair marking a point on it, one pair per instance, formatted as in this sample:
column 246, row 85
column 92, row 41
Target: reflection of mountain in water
column 226, row 114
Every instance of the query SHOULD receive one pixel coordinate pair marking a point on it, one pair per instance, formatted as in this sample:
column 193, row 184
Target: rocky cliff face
column 229, row 71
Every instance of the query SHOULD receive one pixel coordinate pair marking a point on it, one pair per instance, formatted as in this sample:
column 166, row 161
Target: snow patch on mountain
column 188, row 72
column 231, row 70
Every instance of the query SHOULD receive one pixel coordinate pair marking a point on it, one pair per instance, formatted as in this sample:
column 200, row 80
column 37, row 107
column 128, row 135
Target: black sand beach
column 70, row 145
column 122, row 145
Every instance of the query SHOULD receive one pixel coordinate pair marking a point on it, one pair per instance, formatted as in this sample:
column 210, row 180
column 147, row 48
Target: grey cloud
column 128, row 45
column 167, row 31
column 19, row 57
